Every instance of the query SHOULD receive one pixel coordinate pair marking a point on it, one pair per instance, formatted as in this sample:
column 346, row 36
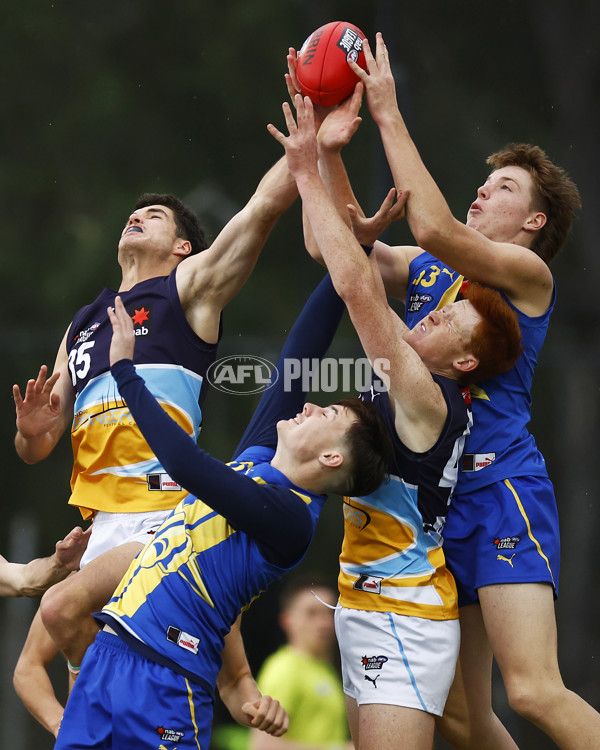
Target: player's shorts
column 123, row 701
column 397, row 660
column 506, row 532
column 109, row 530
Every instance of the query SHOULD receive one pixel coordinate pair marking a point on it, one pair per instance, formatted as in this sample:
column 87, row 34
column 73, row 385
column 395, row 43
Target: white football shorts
column 109, row 530
column 397, row 660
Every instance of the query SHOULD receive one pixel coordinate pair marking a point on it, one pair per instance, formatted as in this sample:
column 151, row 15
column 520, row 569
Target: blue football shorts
column 123, row 701
column 506, row 532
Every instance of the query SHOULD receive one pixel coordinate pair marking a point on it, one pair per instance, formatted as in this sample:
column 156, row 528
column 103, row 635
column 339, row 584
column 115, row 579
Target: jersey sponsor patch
column 183, row 639
column 371, row 584
column 477, row 461
column 162, row 482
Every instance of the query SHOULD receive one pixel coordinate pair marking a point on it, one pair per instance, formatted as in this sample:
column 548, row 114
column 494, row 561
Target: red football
column 322, row 71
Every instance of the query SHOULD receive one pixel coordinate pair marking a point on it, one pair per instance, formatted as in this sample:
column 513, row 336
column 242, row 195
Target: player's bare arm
column 504, row 265
column 334, row 133
column 45, row 410
column 31, row 680
column 209, row 280
column 34, row 577
column 393, row 260
column 239, row 691
column 420, row 406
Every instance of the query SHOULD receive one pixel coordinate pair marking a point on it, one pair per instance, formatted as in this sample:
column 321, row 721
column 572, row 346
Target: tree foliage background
column 101, row 102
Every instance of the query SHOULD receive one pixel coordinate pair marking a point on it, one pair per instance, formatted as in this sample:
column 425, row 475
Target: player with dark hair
column 154, row 667
column 502, row 536
column 186, row 221
column 175, row 295
column 397, row 625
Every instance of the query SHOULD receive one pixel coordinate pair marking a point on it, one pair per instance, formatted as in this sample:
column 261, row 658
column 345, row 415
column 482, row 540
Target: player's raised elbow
column 432, row 234
column 267, row 204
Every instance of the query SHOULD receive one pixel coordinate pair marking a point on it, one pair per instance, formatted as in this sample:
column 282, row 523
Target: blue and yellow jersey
column 500, row 445
column 212, row 556
column 114, row 470
column 391, row 558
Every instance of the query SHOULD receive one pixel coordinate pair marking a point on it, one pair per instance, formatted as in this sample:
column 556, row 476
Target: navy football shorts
column 506, row 532
column 123, row 701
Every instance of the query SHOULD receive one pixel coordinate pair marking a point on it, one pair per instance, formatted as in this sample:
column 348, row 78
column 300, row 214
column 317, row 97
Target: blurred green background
column 101, row 102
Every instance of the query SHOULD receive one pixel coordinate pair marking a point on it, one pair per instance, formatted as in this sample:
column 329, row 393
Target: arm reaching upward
column 419, row 404
column 502, row 259
column 209, row 280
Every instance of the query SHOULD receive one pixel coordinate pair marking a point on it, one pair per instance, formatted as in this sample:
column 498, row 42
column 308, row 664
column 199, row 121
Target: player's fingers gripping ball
column 322, row 69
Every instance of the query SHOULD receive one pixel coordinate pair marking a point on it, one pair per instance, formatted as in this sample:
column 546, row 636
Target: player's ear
column 535, row 222
column 182, row 247
column 466, row 363
column 331, row 459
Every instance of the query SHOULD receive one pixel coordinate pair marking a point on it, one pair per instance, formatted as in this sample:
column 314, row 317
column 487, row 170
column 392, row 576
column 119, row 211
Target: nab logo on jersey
column 141, row 320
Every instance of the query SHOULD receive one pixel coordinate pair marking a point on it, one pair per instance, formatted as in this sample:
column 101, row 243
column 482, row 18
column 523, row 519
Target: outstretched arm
column 239, row 692
column 45, row 411
column 34, row 577
column 512, row 268
column 334, row 134
column 309, row 340
column 206, row 282
column 419, row 403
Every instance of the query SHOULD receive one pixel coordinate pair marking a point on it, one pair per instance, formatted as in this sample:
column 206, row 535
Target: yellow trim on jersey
column 157, row 560
column 451, row 293
column 245, row 465
column 477, row 392
column 529, row 532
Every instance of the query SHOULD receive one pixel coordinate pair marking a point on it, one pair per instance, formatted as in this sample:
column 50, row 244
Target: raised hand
column 378, row 80
column 301, row 143
column 40, row 410
column 123, row 339
column 341, row 122
column 368, row 229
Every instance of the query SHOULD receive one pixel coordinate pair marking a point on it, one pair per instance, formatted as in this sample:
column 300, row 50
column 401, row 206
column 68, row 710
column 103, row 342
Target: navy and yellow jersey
column 500, row 445
column 243, row 525
column 392, row 559
column 113, row 468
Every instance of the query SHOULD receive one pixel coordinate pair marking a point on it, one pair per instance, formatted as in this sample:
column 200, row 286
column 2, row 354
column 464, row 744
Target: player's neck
column 136, row 268
column 301, row 474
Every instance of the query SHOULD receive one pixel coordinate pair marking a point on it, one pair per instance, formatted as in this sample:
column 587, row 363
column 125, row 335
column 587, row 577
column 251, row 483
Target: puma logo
column 507, row 559
column 372, row 679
